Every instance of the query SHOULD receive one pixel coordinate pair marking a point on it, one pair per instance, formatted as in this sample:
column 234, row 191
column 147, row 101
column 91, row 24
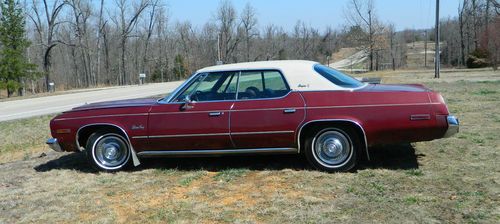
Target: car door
column 197, row 117
column 266, row 113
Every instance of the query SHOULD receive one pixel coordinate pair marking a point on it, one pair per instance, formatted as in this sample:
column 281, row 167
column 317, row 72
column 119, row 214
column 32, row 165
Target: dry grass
column 448, row 180
column 22, row 139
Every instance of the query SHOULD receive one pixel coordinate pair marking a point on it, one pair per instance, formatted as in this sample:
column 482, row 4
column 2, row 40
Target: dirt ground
column 448, row 180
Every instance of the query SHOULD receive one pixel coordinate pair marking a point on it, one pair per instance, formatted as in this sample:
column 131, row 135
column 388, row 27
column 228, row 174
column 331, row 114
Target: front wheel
column 332, row 149
column 108, row 151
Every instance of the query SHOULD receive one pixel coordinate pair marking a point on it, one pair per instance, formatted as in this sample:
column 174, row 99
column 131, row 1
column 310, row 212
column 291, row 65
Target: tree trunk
column 123, row 73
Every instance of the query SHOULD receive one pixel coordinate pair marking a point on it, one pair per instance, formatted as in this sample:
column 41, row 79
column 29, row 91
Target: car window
column 261, row 84
column 211, row 87
column 337, row 78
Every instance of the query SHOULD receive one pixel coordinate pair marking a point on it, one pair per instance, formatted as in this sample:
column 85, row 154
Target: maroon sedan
column 257, row 108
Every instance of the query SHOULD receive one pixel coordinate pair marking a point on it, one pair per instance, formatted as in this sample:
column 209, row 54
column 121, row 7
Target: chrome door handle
column 214, row 114
column 289, row 111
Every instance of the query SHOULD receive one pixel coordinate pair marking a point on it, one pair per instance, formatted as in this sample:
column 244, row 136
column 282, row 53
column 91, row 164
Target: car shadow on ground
column 382, row 157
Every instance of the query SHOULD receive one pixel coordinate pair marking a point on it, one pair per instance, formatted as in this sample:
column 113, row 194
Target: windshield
column 336, row 77
column 169, row 95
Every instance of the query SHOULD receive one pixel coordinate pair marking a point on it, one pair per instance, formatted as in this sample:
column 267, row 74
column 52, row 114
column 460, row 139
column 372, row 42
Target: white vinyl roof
column 300, row 75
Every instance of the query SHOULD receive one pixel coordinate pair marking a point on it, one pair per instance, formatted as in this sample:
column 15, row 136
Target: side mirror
column 188, row 103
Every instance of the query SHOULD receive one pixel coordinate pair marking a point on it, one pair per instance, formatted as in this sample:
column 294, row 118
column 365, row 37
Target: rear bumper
column 54, row 145
column 453, row 126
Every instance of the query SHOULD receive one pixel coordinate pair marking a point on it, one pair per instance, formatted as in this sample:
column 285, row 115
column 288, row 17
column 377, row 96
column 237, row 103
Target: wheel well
column 85, row 132
column 310, row 128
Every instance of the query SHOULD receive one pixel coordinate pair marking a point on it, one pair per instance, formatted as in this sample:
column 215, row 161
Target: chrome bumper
column 453, row 125
column 53, row 144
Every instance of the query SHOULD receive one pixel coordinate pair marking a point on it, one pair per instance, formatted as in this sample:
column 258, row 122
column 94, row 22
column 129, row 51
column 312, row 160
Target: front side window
column 337, row 78
column 261, row 84
column 211, row 87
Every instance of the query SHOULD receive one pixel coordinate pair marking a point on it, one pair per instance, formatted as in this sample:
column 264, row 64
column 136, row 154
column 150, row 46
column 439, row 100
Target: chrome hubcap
column 332, row 148
column 111, row 151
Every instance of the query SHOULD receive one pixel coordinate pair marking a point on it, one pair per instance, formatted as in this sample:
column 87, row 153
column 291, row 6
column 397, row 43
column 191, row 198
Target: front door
column 197, row 118
column 266, row 113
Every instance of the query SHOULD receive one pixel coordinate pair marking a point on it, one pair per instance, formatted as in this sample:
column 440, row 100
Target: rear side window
column 261, row 85
column 337, row 78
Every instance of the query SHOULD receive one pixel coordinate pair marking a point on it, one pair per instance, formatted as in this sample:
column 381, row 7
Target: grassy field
column 448, row 180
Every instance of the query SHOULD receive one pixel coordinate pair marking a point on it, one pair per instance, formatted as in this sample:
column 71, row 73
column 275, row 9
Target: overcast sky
column 317, row 13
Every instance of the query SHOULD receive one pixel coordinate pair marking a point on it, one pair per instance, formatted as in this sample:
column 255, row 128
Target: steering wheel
column 194, row 96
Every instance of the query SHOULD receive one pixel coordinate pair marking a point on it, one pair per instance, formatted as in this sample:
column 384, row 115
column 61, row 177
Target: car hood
column 394, row 88
column 117, row 103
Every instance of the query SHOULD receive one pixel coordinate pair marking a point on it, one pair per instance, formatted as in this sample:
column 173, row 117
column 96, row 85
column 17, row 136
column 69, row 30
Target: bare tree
column 248, row 22
column 151, row 22
column 163, row 40
column 126, row 23
column 362, row 13
column 81, row 14
column 392, row 35
column 303, row 38
column 186, row 42
column 46, row 30
column 100, row 28
column 226, row 20
column 462, row 21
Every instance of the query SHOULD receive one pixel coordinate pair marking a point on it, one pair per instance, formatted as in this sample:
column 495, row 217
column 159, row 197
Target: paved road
column 16, row 109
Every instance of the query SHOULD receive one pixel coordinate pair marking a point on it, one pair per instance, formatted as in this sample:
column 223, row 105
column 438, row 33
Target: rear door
column 266, row 113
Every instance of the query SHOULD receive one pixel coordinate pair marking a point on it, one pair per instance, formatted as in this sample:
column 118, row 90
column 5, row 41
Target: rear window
column 337, row 78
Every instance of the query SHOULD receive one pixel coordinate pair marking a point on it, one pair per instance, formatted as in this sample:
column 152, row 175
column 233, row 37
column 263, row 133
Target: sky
column 412, row 14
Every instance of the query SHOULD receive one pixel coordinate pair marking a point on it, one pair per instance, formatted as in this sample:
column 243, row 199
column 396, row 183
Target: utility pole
column 218, row 62
column 436, row 58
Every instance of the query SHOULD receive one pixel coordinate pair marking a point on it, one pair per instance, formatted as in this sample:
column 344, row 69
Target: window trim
column 316, row 68
column 186, row 84
column 261, row 71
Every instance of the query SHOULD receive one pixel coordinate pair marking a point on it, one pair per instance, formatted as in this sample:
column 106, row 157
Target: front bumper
column 453, row 126
column 53, row 144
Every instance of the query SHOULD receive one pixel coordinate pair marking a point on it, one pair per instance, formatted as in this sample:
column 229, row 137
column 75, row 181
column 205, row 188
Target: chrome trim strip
column 261, row 132
column 209, row 152
column 188, row 112
column 237, row 100
column 213, row 134
column 283, row 109
column 347, row 120
column 134, row 155
column 98, row 116
column 183, row 135
column 223, row 111
column 374, row 105
column 453, row 126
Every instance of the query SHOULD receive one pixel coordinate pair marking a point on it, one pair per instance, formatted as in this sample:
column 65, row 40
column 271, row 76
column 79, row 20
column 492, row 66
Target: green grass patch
column 187, row 179
column 414, row 172
column 165, row 171
column 485, row 92
column 411, row 200
column 24, row 133
column 230, row 174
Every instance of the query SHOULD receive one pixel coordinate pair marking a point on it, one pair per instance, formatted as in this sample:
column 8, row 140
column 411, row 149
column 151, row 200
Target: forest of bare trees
column 88, row 43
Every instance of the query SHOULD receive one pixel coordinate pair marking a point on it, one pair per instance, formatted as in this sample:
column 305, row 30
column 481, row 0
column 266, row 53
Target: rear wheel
column 332, row 149
column 108, row 151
